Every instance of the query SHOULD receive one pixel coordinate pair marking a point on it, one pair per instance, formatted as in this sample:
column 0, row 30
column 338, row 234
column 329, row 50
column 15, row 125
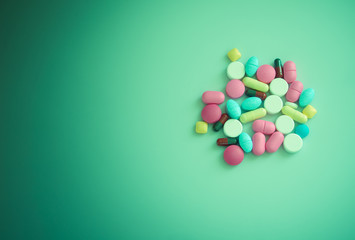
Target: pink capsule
column 274, row 142
column 290, row 73
column 258, row 143
column 212, row 97
column 264, row 127
column 294, row 91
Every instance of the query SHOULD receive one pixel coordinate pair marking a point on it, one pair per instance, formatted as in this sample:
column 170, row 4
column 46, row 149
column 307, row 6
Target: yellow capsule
column 294, row 114
column 309, row 111
column 255, row 84
column 252, row 115
column 234, row 54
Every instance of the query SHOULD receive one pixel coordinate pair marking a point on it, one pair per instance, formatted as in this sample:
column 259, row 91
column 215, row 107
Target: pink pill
column 290, row 73
column 264, row 127
column 235, row 88
column 294, row 91
column 233, row 155
column 265, row 73
column 274, row 142
column 258, row 143
column 210, row 97
column 211, row 113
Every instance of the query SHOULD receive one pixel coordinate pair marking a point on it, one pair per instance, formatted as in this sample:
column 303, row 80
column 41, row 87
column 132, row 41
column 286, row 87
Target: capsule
column 294, row 114
column 226, row 141
column 274, row 142
column 253, row 115
column 255, row 84
column 278, row 68
column 253, row 93
column 219, row 124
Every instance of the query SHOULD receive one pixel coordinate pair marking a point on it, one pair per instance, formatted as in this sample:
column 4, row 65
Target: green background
column 99, row 102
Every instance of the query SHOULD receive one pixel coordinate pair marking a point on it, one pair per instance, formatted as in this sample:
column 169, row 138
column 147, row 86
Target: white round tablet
column 273, row 104
column 293, row 143
column 278, row 87
column 236, row 70
column 232, row 128
column 284, row 124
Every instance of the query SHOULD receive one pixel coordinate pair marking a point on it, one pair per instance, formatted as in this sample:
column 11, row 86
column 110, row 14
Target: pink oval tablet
column 274, row 142
column 233, row 155
column 290, row 73
column 264, row 127
column 211, row 113
column 294, row 91
column 258, row 143
column 265, row 73
column 210, row 97
column 235, row 88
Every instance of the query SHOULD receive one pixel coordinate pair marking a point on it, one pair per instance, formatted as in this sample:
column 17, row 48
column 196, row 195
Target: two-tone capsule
column 219, row 124
column 253, row 93
column 278, row 68
column 226, row 141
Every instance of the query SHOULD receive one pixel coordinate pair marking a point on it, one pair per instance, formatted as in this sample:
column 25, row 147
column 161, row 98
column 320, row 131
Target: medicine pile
column 265, row 87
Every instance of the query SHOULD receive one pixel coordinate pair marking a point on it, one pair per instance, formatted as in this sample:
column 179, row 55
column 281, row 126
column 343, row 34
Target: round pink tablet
column 290, row 73
column 211, row 113
column 264, row 127
column 235, row 88
column 265, row 73
column 294, row 91
column 258, row 143
column 233, row 155
column 210, row 97
column 274, row 142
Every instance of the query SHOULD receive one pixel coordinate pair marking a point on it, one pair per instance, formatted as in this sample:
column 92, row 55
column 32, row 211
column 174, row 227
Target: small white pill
column 284, row 124
column 235, row 70
column 293, row 143
column 232, row 128
column 291, row 104
column 278, row 87
column 273, row 104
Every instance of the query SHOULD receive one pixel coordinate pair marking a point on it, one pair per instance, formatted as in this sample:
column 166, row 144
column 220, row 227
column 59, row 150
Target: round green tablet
column 278, row 87
column 232, row 128
column 273, row 104
column 293, row 143
column 284, row 124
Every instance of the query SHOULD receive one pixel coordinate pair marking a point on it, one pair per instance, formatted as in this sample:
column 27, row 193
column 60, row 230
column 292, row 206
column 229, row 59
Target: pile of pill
column 279, row 81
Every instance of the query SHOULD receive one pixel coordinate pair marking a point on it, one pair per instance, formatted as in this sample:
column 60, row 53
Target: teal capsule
column 251, row 103
column 251, row 66
column 233, row 109
column 306, row 97
column 245, row 142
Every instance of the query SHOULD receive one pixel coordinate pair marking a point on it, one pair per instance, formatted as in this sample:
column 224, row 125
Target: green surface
column 99, row 102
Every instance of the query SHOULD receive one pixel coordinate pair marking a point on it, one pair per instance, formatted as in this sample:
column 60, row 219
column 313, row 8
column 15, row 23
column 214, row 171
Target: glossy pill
column 258, row 143
column 265, row 127
column 274, row 142
column 211, row 113
column 291, row 104
column 284, row 124
column 210, row 97
column 253, row 115
column 233, row 109
column 292, row 143
column 235, row 88
column 273, row 104
column 233, row 155
column 278, row 68
column 255, row 84
column 251, row 66
column 226, row 141
column 232, row 128
column 290, row 73
column 234, row 54
column 251, row 103
column 309, row 111
column 306, row 97
column 253, row 93
column 302, row 130
column 294, row 91
column 235, row 70
column 278, row 87
column 219, row 124
column 201, row 127
column 265, row 73
column 245, row 142
column 294, row 114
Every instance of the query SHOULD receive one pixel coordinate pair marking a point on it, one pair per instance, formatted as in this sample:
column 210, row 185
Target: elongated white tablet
column 232, row 128
column 293, row 143
column 235, row 70
column 273, row 104
column 278, row 87
column 291, row 104
column 284, row 124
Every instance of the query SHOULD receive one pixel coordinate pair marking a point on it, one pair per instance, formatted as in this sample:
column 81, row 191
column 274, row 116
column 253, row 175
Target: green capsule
column 226, row 141
column 219, row 124
column 278, row 68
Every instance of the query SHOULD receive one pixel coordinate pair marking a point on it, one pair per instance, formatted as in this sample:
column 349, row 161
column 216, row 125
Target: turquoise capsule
column 233, row 109
column 251, row 103
column 245, row 142
column 302, row 130
column 251, row 66
column 306, row 97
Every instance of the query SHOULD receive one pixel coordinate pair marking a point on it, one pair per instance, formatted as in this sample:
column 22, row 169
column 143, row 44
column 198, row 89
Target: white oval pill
column 232, row 128
column 293, row 143
column 236, row 70
column 278, row 87
column 291, row 104
column 284, row 124
column 273, row 104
